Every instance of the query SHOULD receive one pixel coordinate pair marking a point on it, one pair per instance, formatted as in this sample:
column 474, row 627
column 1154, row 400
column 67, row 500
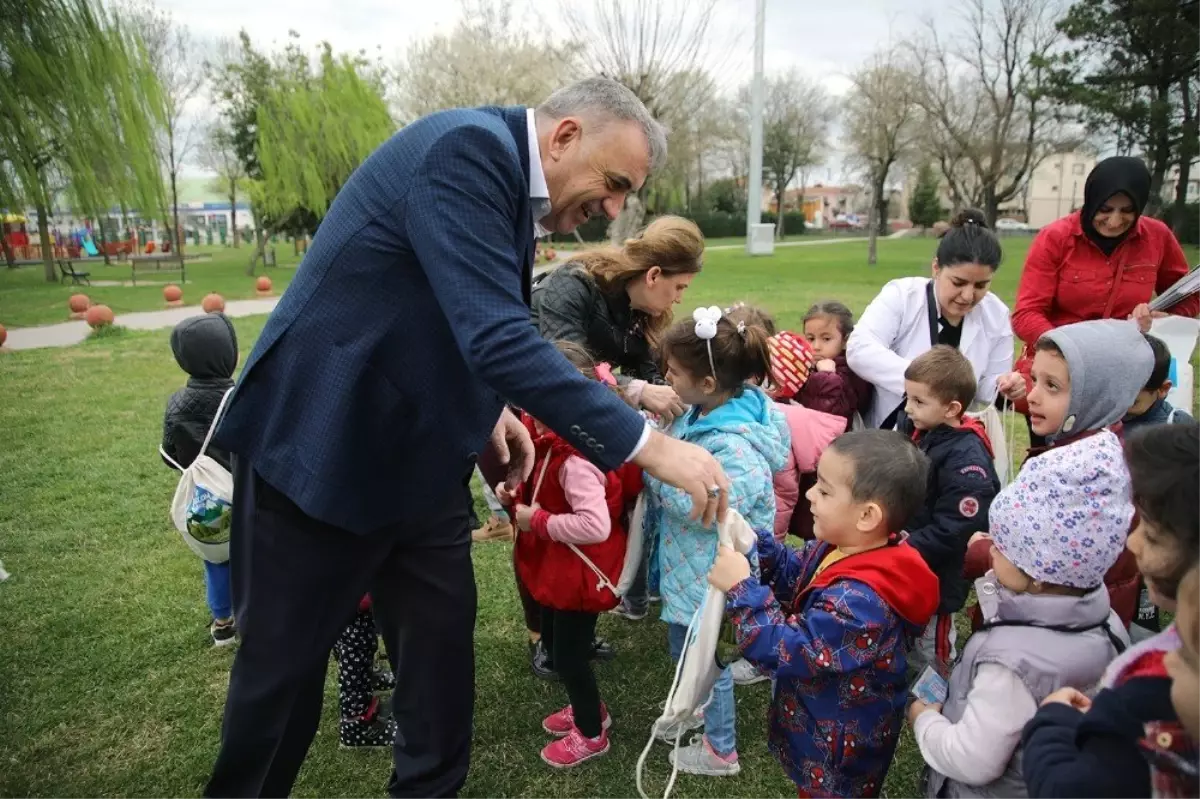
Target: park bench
column 158, row 265
column 66, row 269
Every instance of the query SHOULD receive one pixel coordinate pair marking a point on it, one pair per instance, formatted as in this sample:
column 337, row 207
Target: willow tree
column 314, row 130
column 78, row 108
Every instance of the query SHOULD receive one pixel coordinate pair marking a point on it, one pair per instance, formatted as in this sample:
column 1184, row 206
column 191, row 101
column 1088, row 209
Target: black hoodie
column 1117, row 175
column 206, row 348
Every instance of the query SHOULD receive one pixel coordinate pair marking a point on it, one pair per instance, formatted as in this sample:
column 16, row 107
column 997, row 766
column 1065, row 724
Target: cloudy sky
column 824, row 40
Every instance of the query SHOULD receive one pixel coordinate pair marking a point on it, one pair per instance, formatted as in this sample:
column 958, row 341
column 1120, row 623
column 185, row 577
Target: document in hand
column 1183, row 288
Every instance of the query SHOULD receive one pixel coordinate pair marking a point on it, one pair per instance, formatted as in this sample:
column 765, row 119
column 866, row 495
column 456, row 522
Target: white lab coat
column 895, row 329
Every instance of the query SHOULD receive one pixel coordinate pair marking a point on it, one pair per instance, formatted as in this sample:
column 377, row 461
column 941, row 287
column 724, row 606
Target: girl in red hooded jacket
column 569, row 510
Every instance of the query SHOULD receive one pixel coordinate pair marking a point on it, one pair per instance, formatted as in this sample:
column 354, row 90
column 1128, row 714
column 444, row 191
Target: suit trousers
column 297, row 583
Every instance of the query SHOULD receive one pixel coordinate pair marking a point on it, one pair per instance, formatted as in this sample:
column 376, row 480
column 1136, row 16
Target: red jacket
column 1067, row 278
column 841, row 393
column 555, row 575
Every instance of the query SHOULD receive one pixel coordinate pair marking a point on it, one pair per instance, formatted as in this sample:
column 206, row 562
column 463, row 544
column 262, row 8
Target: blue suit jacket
column 383, row 370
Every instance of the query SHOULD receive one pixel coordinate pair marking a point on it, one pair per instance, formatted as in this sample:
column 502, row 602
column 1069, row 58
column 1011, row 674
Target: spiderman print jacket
column 835, row 643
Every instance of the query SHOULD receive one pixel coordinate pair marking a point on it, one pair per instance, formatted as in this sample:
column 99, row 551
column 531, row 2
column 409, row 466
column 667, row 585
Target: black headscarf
column 1117, row 175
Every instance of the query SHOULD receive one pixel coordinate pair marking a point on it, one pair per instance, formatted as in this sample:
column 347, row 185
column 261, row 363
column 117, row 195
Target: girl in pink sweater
column 569, row 510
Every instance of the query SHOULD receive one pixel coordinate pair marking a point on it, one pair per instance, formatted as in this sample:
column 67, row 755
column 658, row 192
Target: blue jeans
column 720, row 717
column 216, row 585
column 637, row 598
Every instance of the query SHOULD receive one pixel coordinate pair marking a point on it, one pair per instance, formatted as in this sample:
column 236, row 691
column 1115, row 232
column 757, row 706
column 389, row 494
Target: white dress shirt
column 539, row 201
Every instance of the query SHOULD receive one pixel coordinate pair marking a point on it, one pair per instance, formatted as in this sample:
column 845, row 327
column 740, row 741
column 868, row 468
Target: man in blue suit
column 374, row 386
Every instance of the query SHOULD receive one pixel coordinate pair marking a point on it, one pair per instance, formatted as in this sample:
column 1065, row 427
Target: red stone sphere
column 172, row 293
column 263, row 284
column 78, row 303
column 3, row 335
column 212, row 303
column 99, row 316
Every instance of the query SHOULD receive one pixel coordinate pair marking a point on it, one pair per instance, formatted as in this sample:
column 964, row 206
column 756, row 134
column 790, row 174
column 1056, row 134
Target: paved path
column 66, row 334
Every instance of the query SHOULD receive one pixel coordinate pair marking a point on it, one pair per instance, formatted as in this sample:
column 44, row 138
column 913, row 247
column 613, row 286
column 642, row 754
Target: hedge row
column 713, row 224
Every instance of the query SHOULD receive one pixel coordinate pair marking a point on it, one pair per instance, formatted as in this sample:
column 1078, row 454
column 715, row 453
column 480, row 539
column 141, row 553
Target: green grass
column 26, row 298
column 107, row 683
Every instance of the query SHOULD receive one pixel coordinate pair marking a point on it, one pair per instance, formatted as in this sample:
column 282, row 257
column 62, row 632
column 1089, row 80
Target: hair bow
column 706, row 329
column 605, row 375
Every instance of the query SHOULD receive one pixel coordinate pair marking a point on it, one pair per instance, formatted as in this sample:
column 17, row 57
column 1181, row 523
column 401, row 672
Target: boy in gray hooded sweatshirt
column 1085, row 374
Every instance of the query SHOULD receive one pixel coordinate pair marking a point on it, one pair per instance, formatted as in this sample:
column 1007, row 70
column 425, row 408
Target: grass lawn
column 27, row 299
column 108, row 685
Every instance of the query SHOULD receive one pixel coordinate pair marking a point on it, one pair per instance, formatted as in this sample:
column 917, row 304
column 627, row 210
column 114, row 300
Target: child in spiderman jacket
column 831, row 622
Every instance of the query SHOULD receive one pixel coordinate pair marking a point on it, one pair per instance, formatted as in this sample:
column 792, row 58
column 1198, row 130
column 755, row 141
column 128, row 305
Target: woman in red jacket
column 1105, row 261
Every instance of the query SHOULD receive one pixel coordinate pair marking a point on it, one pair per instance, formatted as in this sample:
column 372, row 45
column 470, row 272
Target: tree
column 1132, row 66
column 298, row 132
column 924, row 206
column 178, row 63
column 726, row 196
column 797, row 117
column 880, row 127
column 76, row 93
column 485, row 60
column 659, row 49
column 314, row 130
column 982, row 89
column 218, row 154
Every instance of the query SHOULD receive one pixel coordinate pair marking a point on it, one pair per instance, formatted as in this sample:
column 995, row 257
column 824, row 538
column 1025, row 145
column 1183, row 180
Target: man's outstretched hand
column 689, row 468
column 514, row 449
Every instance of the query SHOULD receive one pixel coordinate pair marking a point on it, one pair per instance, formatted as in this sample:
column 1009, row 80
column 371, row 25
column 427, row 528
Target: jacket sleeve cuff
column 641, row 442
column 540, row 524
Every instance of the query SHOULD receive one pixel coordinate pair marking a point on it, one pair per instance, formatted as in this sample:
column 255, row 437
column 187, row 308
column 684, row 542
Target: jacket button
column 574, row 429
column 599, row 448
column 591, row 442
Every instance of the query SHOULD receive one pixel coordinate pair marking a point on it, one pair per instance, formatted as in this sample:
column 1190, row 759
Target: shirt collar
column 539, row 192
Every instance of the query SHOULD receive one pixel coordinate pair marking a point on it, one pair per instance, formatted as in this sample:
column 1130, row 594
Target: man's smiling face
column 590, row 168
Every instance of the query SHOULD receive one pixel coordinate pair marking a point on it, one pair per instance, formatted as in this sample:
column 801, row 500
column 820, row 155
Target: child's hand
column 826, row 365
column 729, row 569
column 1011, row 386
column 918, row 707
column 977, row 537
column 1070, row 697
column 524, row 517
column 507, row 498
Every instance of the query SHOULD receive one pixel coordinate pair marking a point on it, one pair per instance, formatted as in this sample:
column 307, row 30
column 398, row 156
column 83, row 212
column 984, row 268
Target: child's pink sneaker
column 575, row 749
column 562, row 722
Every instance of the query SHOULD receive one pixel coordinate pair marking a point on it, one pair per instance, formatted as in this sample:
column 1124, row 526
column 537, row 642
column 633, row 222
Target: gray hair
column 607, row 99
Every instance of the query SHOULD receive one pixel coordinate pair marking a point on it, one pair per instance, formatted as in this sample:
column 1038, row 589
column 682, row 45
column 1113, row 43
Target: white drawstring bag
column 202, row 509
column 1179, row 333
column 698, row 668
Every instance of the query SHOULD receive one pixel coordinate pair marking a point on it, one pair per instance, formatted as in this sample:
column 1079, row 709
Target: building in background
column 1054, row 190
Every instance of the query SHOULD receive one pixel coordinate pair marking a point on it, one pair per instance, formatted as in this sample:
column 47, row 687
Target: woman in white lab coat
column 955, row 307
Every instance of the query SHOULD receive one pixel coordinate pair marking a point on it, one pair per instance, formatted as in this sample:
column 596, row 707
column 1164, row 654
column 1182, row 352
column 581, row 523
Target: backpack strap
column 169, row 459
column 604, row 582
column 1117, row 643
column 216, row 421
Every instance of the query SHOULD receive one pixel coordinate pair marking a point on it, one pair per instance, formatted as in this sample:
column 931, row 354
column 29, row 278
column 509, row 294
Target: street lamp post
column 757, row 90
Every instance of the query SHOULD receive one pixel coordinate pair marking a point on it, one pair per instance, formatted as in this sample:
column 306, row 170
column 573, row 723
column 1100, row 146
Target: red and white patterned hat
column 791, row 361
